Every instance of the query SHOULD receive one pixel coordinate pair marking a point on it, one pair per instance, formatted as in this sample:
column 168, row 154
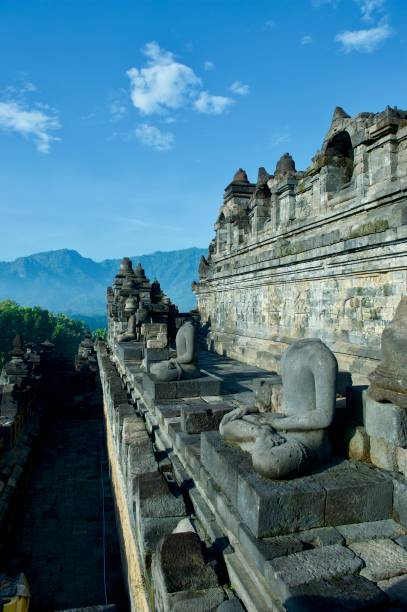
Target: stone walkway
column 59, row 544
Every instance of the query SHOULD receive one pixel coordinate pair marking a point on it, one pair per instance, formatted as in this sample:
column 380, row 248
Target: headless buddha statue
column 130, row 309
column 185, row 363
column 294, row 441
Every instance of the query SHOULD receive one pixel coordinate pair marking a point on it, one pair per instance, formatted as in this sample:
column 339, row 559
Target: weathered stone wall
column 321, row 253
column 114, row 397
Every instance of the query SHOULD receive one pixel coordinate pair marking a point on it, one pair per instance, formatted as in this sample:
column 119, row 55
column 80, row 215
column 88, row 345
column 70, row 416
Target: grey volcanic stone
column 130, row 351
column 231, row 605
column 224, row 463
column 402, row 541
column 196, row 601
column 396, row 589
column 304, row 567
column 159, row 390
column 355, row 494
column 157, row 497
column 322, row 536
column 261, row 550
column 153, row 530
column 389, row 379
column 140, row 457
column 383, row 559
column 400, row 500
column 207, row 417
column 387, row 421
column 346, row 593
column 279, row 507
column 202, row 386
column 180, row 562
column 370, row 531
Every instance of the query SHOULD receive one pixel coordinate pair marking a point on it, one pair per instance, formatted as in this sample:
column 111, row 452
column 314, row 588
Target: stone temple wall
column 320, row 253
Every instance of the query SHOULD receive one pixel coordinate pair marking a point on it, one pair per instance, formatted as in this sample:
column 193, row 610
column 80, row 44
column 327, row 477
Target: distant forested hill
column 64, row 281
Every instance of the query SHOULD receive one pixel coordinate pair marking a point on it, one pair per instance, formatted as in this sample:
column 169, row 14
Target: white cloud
column 212, row 105
column 154, row 138
column 369, row 7
column 240, row 88
column 35, row 123
column 117, row 110
column 208, row 66
column 306, row 40
column 365, row 41
column 280, row 138
column 163, row 84
column 29, row 86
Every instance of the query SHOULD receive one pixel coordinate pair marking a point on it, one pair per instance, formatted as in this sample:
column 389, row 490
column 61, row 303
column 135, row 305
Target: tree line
column 36, row 324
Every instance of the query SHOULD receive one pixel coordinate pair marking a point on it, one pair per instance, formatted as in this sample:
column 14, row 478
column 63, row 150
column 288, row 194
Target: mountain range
column 64, row 281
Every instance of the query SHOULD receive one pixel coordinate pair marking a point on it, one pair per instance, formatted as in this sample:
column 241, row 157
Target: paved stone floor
column 59, row 543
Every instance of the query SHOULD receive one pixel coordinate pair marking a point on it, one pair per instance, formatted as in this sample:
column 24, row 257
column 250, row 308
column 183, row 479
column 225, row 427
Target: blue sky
column 121, row 122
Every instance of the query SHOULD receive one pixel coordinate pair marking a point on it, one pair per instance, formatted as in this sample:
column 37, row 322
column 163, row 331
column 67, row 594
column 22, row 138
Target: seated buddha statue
column 294, row 441
column 185, row 363
column 130, row 310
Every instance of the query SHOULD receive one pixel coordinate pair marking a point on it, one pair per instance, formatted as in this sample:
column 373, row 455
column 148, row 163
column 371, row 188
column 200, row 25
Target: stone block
column 286, row 573
column 227, row 512
column 231, row 605
column 224, row 463
column 182, row 477
column 387, row 421
column 402, row 541
column 168, row 411
column 370, row 531
column 179, row 565
column 156, row 354
column 254, row 594
column 400, row 501
column 153, row 530
column 159, row 390
column 198, row 601
column 151, row 423
column 129, row 351
column 192, row 456
column 383, row 559
column 396, row 590
column 355, row 493
column 132, row 425
column 276, row 507
column 346, row 593
column 183, row 441
column 188, row 388
column 383, row 454
column 261, row 550
column 322, row 536
column 401, row 460
column 158, row 496
column 201, row 508
column 206, row 417
column 140, row 457
column 205, row 385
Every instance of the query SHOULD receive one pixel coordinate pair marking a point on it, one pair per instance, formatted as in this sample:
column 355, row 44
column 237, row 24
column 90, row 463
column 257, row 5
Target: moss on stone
column 371, row 227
